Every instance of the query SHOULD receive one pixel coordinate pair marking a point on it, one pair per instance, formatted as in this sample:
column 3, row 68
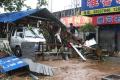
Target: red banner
column 76, row 20
column 107, row 19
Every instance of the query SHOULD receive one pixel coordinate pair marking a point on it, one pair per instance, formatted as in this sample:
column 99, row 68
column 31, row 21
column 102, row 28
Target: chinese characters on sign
column 92, row 3
column 76, row 20
column 91, row 7
column 100, row 20
column 117, row 19
column 118, row 1
column 110, row 19
column 12, row 63
column 106, row 2
column 100, row 11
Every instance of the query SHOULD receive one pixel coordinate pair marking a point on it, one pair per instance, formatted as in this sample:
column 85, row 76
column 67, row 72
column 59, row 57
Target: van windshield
column 33, row 33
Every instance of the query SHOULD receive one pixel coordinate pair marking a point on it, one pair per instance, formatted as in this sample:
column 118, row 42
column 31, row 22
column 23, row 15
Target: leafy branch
column 17, row 5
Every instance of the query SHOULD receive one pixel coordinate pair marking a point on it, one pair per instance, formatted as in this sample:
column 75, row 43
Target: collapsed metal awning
column 40, row 14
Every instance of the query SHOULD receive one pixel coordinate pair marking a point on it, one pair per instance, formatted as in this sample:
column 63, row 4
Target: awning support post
column 7, row 31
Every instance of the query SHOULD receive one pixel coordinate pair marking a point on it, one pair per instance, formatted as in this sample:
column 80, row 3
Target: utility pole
column 51, row 5
column 76, row 5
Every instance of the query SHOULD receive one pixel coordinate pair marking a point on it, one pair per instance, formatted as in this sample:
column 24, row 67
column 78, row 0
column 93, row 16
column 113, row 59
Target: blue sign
column 97, row 4
column 11, row 63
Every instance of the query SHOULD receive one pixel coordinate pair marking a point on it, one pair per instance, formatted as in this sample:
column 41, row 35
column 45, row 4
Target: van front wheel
column 18, row 52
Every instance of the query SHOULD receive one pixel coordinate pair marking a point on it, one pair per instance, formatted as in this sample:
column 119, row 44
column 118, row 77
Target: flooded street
column 75, row 69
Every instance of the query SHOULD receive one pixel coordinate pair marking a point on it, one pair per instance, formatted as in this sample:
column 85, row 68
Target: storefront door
column 107, row 38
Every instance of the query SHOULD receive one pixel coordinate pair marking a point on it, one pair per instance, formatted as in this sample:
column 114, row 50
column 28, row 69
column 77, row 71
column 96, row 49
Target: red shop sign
column 76, row 20
column 107, row 19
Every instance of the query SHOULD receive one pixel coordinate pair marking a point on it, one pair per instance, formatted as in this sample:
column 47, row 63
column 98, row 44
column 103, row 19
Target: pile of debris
column 10, row 64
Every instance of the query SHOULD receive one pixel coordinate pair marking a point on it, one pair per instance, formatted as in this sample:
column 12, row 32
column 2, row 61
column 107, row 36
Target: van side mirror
column 21, row 35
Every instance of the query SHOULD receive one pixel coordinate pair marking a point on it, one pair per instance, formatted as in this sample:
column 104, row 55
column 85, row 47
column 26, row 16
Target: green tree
column 17, row 5
column 12, row 5
column 88, row 27
column 41, row 3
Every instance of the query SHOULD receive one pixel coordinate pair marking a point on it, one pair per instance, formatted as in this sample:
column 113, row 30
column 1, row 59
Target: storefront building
column 72, row 16
column 106, row 16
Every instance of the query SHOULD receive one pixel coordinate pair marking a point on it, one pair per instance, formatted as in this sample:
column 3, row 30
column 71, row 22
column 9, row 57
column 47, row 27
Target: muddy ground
column 76, row 69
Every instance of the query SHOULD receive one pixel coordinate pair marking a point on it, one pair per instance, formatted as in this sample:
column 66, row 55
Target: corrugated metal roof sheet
column 39, row 68
column 13, row 16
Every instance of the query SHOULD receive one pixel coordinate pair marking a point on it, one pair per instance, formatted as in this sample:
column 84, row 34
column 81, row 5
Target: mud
column 76, row 69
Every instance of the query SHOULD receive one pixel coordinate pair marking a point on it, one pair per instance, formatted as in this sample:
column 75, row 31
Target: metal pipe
column 39, row 18
column 7, row 31
column 33, row 76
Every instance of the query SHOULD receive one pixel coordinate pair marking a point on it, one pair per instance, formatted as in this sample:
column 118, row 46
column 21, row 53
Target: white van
column 24, row 34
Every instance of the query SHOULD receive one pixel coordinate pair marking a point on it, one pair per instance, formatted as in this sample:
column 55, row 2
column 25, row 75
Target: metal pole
column 7, row 31
column 97, row 34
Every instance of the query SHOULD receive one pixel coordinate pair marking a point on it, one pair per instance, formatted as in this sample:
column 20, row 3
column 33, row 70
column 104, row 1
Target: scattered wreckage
column 10, row 64
column 26, row 62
